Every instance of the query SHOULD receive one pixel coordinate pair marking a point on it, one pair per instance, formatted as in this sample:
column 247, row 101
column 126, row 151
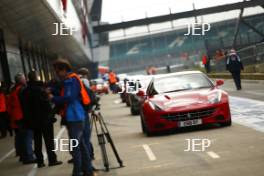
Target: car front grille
column 182, row 116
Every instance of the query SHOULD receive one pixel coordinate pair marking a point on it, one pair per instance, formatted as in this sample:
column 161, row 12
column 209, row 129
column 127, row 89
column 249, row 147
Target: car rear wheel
column 122, row 96
column 225, row 124
column 123, row 100
column 127, row 101
column 133, row 111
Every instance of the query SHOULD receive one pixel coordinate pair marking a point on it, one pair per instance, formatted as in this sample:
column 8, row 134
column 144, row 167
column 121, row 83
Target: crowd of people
column 29, row 109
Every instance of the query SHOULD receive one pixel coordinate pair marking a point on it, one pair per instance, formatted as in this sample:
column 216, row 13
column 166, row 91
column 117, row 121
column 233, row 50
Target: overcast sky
column 113, row 10
column 124, row 10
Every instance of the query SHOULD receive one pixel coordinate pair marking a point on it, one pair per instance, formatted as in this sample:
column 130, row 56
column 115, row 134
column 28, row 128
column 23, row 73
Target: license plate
column 190, row 123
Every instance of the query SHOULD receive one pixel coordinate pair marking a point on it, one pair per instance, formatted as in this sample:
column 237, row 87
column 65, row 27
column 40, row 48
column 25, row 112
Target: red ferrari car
column 183, row 99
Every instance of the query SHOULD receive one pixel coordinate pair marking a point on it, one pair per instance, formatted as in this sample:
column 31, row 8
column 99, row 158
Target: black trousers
column 4, row 124
column 47, row 132
column 113, row 88
column 237, row 79
column 207, row 67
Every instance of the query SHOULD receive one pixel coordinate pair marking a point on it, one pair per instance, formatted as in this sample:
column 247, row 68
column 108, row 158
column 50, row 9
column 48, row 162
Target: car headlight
column 215, row 97
column 154, row 106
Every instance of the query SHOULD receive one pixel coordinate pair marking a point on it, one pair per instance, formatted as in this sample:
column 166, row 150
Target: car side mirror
column 141, row 93
column 219, row 82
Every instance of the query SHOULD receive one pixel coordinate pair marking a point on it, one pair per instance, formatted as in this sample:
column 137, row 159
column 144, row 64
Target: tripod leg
column 101, row 141
column 109, row 139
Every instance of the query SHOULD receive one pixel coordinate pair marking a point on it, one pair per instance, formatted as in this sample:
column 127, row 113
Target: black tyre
column 128, row 101
column 226, row 124
column 145, row 129
column 143, row 126
column 123, row 100
column 133, row 111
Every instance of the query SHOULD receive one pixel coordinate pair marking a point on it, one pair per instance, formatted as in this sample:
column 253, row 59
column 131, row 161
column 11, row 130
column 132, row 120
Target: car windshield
column 145, row 82
column 181, row 82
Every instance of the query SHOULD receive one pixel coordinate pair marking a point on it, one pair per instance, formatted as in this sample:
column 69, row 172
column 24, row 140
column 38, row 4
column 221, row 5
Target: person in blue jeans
column 24, row 143
column 74, row 114
column 84, row 75
column 87, row 134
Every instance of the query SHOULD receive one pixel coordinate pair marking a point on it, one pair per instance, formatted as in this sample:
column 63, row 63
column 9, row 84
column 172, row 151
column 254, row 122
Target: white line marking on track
column 137, row 146
column 149, row 152
column 255, row 93
column 213, row 155
column 248, row 112
column 158, row 166
column 33, row 171
column 117, row 101
column 7, row 155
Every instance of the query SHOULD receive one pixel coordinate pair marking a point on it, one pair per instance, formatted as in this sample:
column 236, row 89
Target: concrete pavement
column 252, row 89
column 239, row 149
column 234, row 151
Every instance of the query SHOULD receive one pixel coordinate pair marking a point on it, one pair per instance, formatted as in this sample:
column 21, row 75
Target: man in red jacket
column 3, row 114
column 206, row 63
column 23, row 136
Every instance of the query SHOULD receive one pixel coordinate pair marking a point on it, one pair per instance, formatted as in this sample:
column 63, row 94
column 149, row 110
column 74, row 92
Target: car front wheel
column 142, row 125
column 145, row 129
column 225, row 124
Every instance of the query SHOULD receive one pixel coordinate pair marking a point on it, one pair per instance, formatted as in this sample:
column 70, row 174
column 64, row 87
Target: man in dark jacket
column 38, row 117
column 234, row 65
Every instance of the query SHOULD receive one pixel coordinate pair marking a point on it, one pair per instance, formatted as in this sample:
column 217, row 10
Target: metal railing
column 250, row 56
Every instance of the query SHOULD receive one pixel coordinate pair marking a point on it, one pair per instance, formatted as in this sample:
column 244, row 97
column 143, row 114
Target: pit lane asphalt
column 235, row 151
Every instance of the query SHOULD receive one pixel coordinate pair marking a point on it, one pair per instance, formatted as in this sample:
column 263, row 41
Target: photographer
column 38, row 117
column 73, row 96
column 84, row 75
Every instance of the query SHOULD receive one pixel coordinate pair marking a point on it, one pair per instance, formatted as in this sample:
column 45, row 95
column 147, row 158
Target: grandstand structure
column 173, row 47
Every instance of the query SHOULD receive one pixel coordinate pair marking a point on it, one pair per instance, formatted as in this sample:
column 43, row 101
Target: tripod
column 103, row 134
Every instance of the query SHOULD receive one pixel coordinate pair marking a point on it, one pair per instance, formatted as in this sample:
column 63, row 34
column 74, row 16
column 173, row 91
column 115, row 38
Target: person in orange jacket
column 3, row 114
column 112, row 78
column 23, row 136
